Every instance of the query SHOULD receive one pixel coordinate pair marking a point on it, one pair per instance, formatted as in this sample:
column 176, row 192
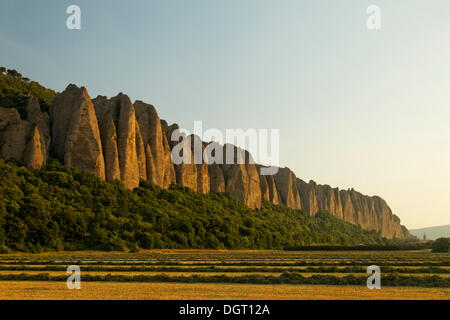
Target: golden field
column 182, row 291
column 16, row 270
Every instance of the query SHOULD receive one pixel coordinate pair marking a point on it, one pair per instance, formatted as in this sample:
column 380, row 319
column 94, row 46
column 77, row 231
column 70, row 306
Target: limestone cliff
column 117, row 139
column 371, row 213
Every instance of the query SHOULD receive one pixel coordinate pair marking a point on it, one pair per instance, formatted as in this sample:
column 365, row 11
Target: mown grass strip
column 243, row 264
column 285, row 278
column 429, row 270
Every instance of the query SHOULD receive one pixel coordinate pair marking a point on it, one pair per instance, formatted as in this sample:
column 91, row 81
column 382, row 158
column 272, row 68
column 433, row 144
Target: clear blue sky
column 355, row 108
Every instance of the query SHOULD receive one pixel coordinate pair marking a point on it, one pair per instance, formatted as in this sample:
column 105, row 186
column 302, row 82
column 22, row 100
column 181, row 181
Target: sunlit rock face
column 75, row 133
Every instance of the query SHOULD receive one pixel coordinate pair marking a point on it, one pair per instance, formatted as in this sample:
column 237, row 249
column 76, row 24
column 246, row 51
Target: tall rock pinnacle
column 75, row 133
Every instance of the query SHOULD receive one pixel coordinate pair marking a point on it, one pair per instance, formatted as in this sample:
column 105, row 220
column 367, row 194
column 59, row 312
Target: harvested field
column 202, row 274
column 183, row 291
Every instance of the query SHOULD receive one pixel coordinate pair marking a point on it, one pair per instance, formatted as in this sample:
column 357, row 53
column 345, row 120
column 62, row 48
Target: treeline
column 441, row 245
column 16, row 89
column 62, row 208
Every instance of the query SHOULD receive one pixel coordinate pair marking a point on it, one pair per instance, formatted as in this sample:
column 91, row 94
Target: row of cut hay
column 285, row 278
column 233, row 269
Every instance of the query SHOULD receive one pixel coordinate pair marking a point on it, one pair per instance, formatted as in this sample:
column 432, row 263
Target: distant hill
column 432, row 233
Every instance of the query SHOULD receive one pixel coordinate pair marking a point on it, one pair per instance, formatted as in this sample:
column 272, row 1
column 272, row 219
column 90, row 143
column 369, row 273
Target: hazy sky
column 355, row 108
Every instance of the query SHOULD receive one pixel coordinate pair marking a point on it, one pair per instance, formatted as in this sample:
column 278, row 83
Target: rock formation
column 216, row 178
column 126, row 141
column 181, row 145
column 202, row 168
column 242, row 177
column 269, row 190
column 25, row 140
column 285, row 181
column 42, row 122
column 107, row 118
column 158, row 158
column 33, row 156
column 75, row 133
column 116, row 139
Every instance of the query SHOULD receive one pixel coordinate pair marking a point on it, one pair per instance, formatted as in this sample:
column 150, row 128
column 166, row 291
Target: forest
column 61, row 208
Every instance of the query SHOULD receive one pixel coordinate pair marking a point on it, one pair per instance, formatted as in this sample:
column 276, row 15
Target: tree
column 2, row 69
column 14, row 73
column 441, row 245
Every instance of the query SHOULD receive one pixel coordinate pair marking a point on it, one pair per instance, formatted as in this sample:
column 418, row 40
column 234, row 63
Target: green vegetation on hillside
column 15, row 90
column 58, row 207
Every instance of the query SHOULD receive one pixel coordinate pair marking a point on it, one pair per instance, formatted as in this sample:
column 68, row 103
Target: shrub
column 441, row 245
